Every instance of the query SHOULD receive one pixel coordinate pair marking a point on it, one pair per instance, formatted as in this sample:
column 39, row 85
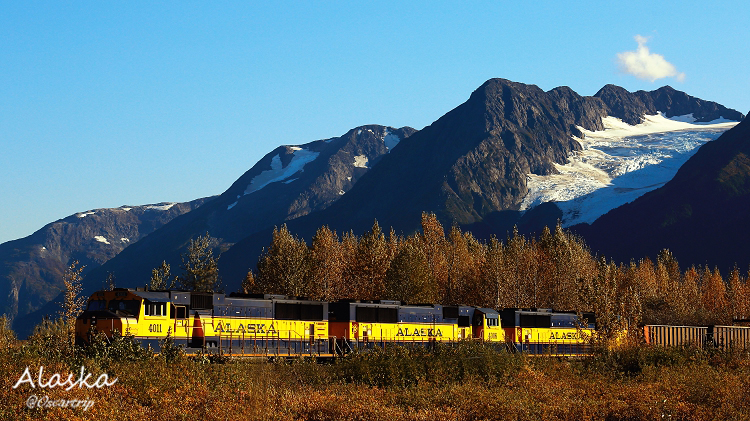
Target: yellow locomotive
column 275, row 325
column 365, row 324
column 545, row 331
column 236, row 325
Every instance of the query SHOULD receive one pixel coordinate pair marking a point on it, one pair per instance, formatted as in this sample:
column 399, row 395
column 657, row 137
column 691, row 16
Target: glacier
column 619, row 164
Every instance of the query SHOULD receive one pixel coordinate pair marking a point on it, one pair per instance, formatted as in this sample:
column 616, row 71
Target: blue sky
column 104, row 104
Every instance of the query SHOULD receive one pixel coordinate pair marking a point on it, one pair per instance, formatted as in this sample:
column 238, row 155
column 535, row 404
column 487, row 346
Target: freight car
column 721, row 337
column 275, row 325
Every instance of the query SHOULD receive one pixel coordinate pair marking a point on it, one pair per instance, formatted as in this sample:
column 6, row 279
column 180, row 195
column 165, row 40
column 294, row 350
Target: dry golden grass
column 690, row 385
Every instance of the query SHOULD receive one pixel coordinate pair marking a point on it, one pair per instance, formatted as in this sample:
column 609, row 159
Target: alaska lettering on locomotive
column 251, row 328
column 567, row 335
column 419, row 332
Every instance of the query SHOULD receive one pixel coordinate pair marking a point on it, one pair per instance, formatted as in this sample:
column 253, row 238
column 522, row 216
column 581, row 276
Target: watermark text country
column 55, row 380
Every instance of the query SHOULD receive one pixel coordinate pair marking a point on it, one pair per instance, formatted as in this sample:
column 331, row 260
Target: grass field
column 468, row 382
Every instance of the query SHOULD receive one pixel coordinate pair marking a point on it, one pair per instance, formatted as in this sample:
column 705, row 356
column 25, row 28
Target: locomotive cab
column 108, row 312
column 486, row 327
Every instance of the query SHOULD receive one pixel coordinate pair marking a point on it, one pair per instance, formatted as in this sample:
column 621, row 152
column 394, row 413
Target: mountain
column 287, row 183
column 700, row 215
column 32, row 267
column 632, row 107
column 471, row 167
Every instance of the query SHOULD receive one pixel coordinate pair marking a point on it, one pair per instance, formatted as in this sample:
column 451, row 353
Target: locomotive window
column 491, row 322
column 564, row 321
column 375, row 314
column 155, row 309
column 591, row 319
column 464, row 321
column 286, row 311
column 534, row 320
column 388, row 315
column 129, row 307
column 367, row 314
column 450, row 312
column 96, row 305
column 179, row 312
column 311, row 311
column 201, row 301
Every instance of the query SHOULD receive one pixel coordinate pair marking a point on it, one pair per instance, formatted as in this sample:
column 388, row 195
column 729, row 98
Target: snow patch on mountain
column 160, row 206
column 84, row 214
column 361, row 161
column 688, row 118
column 279, row 173
column 619, row 164
column 390, row 140
column 101, row 239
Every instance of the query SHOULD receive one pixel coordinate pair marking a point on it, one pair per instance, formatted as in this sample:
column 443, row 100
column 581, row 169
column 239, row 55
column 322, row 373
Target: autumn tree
column 465, row 256
column 714, row 296
column 369, row 265
column 432, row 240
column 494, row 276
column 200, row 267
column 283, row 267
column 520, row 255
column 737, row 295
column 73, row 304
column 408, row 276
column 599, row 295
column 349, row 244
column 326, row 265
column 161, row 278
column 109, row 282
column 691, row 293
column 248, row 285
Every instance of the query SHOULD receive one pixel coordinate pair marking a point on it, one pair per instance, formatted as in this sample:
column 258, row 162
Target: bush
column 7, row 335
column 170, row 351
column 632, row 360
column 106, row 351
column 50, row 340
column 406, row 366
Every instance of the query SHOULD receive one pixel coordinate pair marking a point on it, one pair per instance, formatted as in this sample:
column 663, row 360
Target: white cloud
column 644, row 64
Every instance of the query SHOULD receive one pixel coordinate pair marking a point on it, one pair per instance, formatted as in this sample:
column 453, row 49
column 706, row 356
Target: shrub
column 50, row 340
column 170, row 351
column 118, row 348
column 406, row 366
column 7, row 335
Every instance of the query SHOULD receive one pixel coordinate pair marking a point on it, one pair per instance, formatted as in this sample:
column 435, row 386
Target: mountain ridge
column 285, row 194
column 475, row 161
column 32, row 269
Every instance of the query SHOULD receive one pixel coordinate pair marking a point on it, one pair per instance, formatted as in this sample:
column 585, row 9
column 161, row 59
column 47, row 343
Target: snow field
column 619, row 164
